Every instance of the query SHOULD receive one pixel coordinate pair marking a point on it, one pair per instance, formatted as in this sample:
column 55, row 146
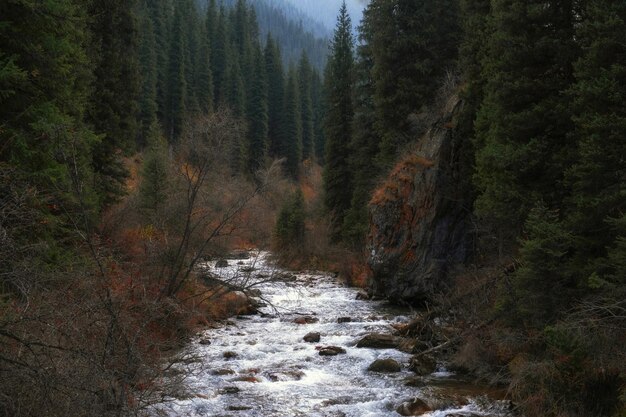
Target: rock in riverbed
column 331, row 350
column 306, row 320
column 385, row 366
column 415, row 407
column 312, row 337
column 379, row 341
column 222, row 263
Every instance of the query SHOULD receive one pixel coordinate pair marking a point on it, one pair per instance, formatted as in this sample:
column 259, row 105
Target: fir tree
column 177, row 83
column 338, row 122
column 276, row 93
column 414, row 43
column 306, row 106
column 289, row 231
column 114, row 102
column 598, row 176
column 364, row 144
column 257, row 116
column 149, row 80
column 524, row 123
column 292, row 126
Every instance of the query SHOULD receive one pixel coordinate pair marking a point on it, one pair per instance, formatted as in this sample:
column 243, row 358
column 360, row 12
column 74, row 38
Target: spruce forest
column 462, row 160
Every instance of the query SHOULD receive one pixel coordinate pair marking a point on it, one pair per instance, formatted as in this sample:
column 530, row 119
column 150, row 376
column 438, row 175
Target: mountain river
column 260, row 366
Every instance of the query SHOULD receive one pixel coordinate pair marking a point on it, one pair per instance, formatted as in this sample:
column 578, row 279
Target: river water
column 260, row 366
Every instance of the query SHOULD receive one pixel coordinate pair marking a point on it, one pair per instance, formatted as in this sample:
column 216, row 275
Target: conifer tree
column 114, row 102
column 338, row 122
column 414, row 43
column 149, row 75
column 43, row 96
column 257, row 116
column 524, row 125
column 292, row 126
column 204, row 92
column 317, row 98
column 306, row 106
column 177, row 83
column 598, row 176
column 221, row 59
column 290, row 225
column 364, row 144
column 276, row 93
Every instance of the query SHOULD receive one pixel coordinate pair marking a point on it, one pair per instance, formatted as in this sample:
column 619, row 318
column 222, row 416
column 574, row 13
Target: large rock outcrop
column 419, row 216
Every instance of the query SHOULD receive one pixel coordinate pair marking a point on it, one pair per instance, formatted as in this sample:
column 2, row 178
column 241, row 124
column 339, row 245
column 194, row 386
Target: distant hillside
column 292, row 28
column 325, row 11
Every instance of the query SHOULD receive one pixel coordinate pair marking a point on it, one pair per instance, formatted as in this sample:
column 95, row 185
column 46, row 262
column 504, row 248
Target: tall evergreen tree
column 306, row 106
column 276, row 93
column 292, row 126
column 364, row 144
column 257, row 115
column 177, row 82
column 317, row 98
column 204, row 91
column 598, row 175
column 338, row 122
column 44, row 90
column 148, row 106
column 221, row 59
column 114, row 103
column 524, row 123
column 414, row 43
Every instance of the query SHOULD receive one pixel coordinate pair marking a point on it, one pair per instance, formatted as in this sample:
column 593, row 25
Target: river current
column 260, row 366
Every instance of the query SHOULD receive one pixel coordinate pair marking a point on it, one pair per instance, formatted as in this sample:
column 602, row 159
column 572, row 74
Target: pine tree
column 292, row 126
column 598, row 176
column 306, row 106
column 276, row 94
column 177, row 83
column 338, row 122
column 317, row 98
column 148, row 62
column 154, row 180
column 414, row 44
column 44, row 91
column 364, row 144
column 290, row 230
column 257, row 116
column 114, row 102
column 204, row 92
column 221, row 60
column 523, row 125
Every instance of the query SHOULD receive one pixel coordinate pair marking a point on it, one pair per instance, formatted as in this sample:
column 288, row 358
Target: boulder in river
column 312, row 337
column 205, row 341
column 331, row 350
column 306, row 320
column 378, row 341
column 229, row 355
column 344, row 319
column 222, row 263
column 223, row 371
column 229, row 390
column 385, row 366
column 415, row 407
column 362, row 295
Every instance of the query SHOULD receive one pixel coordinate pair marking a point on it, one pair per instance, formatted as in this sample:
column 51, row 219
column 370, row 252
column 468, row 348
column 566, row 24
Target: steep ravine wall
column 419, row 217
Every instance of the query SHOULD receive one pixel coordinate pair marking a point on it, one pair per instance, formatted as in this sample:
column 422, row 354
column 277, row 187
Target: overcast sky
column 325, row 11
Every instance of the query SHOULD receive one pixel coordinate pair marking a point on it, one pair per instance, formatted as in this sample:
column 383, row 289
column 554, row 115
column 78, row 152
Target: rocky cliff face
column 419, row 216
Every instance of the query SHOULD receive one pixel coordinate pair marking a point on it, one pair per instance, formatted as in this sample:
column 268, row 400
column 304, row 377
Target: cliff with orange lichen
column 419, row 216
